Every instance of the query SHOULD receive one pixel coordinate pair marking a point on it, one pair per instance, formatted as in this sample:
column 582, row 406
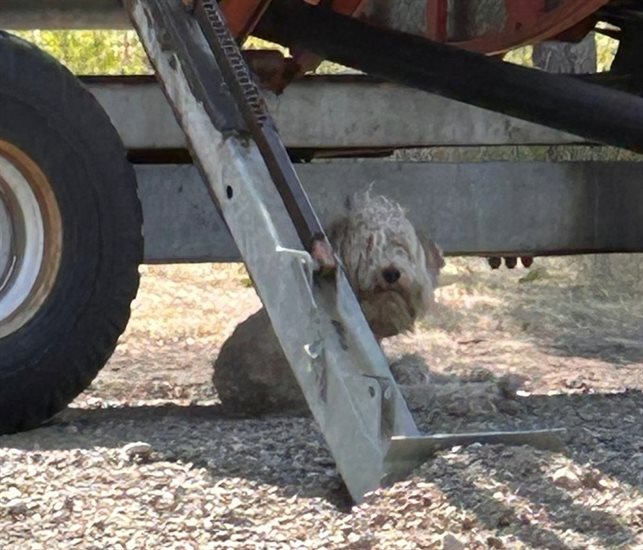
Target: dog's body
column 393, row 273
column 392, row 270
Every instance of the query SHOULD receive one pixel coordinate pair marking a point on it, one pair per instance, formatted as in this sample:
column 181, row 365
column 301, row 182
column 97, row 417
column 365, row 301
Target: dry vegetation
column 569, row 339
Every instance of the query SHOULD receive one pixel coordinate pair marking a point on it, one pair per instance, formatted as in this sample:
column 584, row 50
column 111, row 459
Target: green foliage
column 534, row 275
column 605, row 49
column 520, row 56
column 120, row 52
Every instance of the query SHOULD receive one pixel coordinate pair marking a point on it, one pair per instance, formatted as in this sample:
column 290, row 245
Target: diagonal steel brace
column 316, row 317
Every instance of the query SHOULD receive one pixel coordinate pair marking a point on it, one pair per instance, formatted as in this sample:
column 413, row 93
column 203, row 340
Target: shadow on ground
column 583, row 322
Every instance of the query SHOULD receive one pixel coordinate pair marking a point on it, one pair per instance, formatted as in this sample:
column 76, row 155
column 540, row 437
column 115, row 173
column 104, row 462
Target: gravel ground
column 146, row 459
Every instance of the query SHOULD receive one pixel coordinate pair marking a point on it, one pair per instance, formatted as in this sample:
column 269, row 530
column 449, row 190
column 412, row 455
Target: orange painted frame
column 243, row 15
column 526, row 22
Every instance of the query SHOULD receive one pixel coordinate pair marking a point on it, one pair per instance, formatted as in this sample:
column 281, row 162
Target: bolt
column 526, row 261
column 494, row 262
column 511, row 261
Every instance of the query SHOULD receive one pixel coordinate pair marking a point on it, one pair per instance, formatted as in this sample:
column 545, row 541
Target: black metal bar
column 262, row 130
column 561, row 102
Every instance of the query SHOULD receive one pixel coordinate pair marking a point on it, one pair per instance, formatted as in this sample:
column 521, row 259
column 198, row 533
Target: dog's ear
column 434, row 256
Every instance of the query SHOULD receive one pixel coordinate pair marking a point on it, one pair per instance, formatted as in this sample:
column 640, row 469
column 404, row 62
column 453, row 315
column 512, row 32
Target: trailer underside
column 471, row 208
column 172, row 191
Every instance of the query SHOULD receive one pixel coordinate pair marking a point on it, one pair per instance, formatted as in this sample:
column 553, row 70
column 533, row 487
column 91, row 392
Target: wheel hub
column 30, row 238
column 6, row 240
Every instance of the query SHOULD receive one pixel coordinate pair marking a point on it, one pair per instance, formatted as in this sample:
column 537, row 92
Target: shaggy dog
column 393, row 272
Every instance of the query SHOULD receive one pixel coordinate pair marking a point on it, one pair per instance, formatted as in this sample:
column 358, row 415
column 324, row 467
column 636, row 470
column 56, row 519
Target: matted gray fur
column 393, row 270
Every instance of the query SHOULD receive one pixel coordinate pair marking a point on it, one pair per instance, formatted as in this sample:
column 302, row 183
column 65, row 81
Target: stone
column 410, row 370
column 566, row 478
column 252, row 375
column 137, row 451
column 450, row 542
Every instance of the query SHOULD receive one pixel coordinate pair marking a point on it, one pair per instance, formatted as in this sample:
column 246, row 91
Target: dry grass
column 563, row 325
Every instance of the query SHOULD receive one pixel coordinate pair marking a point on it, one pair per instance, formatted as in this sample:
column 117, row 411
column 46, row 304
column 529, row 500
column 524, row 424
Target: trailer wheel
column 70, row 236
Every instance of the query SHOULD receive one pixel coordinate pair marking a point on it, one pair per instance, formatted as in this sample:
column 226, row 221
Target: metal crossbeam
column 329, row 112
column 478, row 208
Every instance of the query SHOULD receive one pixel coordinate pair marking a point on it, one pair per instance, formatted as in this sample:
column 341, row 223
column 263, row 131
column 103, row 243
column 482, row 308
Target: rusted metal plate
column 528, row 22
column 243, row 15
column 487, row 26
column 350, row 7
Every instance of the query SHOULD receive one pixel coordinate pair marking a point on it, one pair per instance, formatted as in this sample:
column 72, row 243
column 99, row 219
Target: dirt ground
column 556, row 346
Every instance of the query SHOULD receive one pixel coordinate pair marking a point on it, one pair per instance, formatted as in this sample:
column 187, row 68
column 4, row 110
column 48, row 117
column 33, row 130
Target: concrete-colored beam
column 330, row 113
column 477, row 208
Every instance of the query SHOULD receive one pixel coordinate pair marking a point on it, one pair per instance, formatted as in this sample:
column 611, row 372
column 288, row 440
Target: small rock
column 494, row 542
column 16, row 507
column 479, row 374
column 457, row 407
column 504, row 519
column 136, row 451
column 410, row 370
column 12, row 493
column 509, row 384
column 450, row 542
column 508, row 406
column 577, row 383
column 566, row 478
column 593, row 479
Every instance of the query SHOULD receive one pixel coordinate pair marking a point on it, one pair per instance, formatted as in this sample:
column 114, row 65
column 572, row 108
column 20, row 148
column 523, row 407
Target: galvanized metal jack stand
column 318, row 321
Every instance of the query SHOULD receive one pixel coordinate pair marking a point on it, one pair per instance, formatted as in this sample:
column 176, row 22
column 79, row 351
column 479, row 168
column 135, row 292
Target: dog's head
column 393, row 270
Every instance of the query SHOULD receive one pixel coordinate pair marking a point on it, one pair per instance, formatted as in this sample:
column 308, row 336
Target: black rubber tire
column 47, row 113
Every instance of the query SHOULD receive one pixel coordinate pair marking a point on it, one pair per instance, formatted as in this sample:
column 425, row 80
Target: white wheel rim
column 30, row 239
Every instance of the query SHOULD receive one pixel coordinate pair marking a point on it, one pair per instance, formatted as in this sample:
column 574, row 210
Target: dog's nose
column 391, row 275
